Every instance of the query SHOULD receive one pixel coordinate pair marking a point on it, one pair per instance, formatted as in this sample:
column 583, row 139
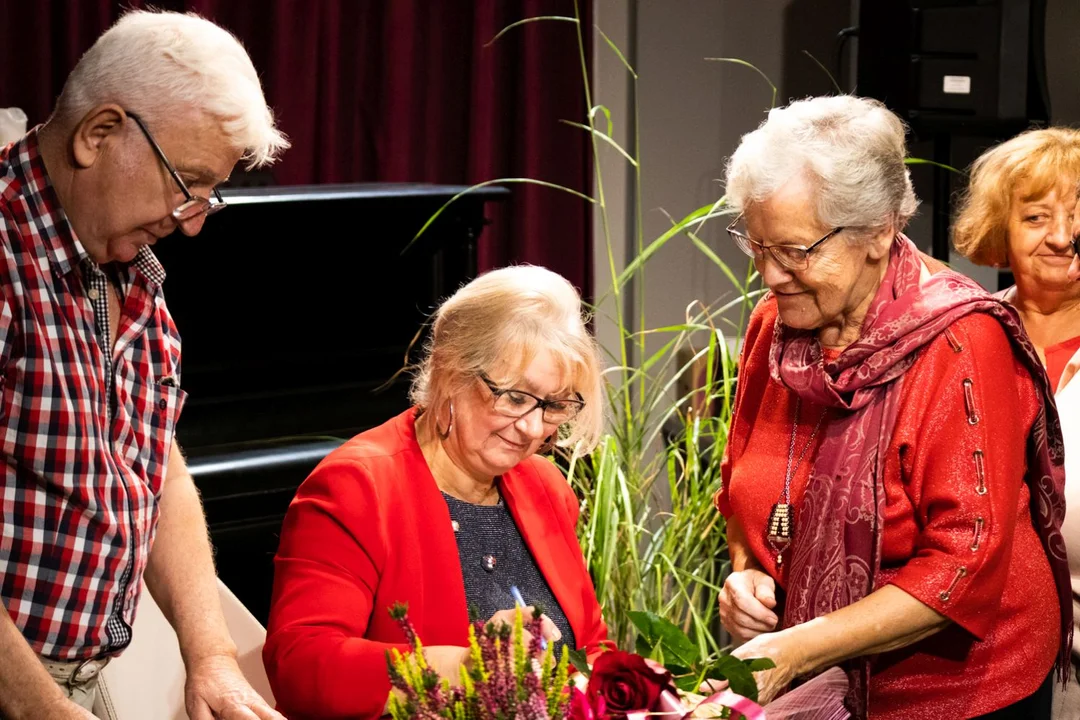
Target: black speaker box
column 956, row 66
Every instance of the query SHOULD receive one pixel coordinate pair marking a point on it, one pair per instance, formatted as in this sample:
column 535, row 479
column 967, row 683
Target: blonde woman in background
column 1020, row 212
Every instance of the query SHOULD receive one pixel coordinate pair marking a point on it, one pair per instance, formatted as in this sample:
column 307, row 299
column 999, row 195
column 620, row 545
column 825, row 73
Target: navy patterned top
column 494, row 557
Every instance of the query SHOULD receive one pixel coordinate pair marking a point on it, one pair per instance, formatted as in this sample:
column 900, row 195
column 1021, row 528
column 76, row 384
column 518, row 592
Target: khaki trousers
column 79, row 681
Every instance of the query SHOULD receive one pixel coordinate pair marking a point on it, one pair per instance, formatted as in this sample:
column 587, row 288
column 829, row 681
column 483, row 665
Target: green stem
column 600, row 197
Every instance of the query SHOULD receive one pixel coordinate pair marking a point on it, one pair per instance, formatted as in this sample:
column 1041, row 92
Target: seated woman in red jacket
column 446, row 506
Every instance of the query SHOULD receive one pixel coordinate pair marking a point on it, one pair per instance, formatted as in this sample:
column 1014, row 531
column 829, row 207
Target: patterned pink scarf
column 837, row 551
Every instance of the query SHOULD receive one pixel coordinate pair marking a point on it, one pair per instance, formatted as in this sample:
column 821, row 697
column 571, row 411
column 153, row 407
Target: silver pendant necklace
column 781, row 526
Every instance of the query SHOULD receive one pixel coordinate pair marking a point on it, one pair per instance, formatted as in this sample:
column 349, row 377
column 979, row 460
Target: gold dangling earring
column 449, row 425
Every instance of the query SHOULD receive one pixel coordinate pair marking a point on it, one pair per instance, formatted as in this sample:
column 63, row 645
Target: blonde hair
column 161, row 63
column 508, row 316
column 851, row 148
column 1035, row 160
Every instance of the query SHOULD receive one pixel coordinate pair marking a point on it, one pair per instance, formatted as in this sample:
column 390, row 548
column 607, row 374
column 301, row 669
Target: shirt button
column 163, row 404
column 93, row 293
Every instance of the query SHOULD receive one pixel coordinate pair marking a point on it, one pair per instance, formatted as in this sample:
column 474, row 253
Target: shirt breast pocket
column 166, row 400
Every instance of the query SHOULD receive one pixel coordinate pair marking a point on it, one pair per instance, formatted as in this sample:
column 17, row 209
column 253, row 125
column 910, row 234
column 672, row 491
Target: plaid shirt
column 85, row 434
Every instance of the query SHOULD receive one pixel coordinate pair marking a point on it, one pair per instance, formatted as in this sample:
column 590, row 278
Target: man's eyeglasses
column 518, row 403
column 793, row 257
column 194, row 206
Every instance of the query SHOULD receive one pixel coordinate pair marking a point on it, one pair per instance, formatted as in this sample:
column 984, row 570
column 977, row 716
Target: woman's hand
column 777, row 647
column 746, row 604
column 780, row 650
column 548, row 630
column 447, row 661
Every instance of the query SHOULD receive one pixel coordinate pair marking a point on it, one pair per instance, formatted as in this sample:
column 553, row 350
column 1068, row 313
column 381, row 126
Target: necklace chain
column 781, row 526
column 791, row 449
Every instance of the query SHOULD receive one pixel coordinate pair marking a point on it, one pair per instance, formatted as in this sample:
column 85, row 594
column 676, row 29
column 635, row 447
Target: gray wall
column 692, row 113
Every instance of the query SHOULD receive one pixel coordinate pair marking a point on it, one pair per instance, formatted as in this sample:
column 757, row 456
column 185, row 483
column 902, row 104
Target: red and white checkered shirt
column 85, row 434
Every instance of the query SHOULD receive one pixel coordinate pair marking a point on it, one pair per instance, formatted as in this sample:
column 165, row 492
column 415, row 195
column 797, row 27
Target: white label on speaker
column 957, row 85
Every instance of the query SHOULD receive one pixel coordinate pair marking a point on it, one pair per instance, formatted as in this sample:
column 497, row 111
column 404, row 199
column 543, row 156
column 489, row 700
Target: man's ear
column 90, row 136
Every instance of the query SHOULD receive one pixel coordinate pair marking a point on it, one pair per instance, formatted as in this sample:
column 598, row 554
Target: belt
column 76, row 673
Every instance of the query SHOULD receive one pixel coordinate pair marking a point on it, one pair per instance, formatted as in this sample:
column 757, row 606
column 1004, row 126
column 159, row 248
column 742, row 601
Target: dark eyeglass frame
column 193, row 205
column 748, row 246
column 577, row 401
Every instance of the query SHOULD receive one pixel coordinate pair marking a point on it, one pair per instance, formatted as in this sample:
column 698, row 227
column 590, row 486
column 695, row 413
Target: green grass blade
column 923, row 161
column 526, row 21
column 486, row 183
column 606, row 138
column 607, row 114
column 824, row 70
column 755, row 68
column 615, row 48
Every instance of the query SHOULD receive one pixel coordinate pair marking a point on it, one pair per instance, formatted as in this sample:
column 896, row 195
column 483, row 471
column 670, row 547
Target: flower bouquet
column 509, row 679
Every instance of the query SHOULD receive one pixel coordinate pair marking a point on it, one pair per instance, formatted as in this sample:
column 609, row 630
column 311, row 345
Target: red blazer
column 368, row 528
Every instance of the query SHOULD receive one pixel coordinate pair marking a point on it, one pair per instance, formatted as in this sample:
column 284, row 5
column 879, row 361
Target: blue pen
column 521, row 603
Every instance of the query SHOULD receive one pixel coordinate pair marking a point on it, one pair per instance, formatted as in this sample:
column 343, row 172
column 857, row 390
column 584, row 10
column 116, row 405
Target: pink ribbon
column 749, row 709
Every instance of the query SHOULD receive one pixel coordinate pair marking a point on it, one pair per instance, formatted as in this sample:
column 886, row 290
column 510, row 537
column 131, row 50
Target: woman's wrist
column 742, row 558
column 795, row 649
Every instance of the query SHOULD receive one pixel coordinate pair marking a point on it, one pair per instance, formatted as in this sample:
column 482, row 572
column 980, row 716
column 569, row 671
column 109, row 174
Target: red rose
column 623, row 682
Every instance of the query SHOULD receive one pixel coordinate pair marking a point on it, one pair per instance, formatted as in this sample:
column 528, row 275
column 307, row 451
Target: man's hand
column 63, row 709
column 217, row 690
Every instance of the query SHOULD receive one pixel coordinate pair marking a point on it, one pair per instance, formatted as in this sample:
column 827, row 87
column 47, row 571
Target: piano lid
column 296, row 304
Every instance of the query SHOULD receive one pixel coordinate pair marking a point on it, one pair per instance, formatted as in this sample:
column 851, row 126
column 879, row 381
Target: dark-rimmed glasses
column 518, row 403
column 194, row 206
column 793, row 257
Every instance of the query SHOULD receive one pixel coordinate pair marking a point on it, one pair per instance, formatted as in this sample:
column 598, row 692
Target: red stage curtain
column 383, row 91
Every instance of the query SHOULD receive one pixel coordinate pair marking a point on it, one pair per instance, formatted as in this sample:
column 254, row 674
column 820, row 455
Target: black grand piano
column 297, row 307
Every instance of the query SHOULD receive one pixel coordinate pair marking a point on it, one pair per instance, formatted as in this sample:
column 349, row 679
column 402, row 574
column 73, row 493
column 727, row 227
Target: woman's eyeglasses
column 518, row 403
column 793, row 257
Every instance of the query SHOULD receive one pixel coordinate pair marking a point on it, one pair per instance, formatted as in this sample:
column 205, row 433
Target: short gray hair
column 159, row 62
column 851, row 149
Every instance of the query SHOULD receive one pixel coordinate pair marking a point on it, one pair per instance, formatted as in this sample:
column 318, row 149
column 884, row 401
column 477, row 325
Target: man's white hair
column 850, row 148
column 161, row 63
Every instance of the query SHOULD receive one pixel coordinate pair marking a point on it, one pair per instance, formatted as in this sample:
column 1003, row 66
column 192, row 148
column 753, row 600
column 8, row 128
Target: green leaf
column 642, row 646
column 580, row 661
column 687, row 683
column 759, row 664
column 737, row 673
column 657, row 653
column 663, row 633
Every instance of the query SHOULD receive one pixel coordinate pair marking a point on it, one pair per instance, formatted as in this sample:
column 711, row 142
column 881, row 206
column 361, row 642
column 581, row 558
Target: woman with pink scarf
column 893, row 477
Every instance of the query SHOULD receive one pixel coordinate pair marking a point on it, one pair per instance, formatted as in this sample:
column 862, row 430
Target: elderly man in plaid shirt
column 95, row 496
